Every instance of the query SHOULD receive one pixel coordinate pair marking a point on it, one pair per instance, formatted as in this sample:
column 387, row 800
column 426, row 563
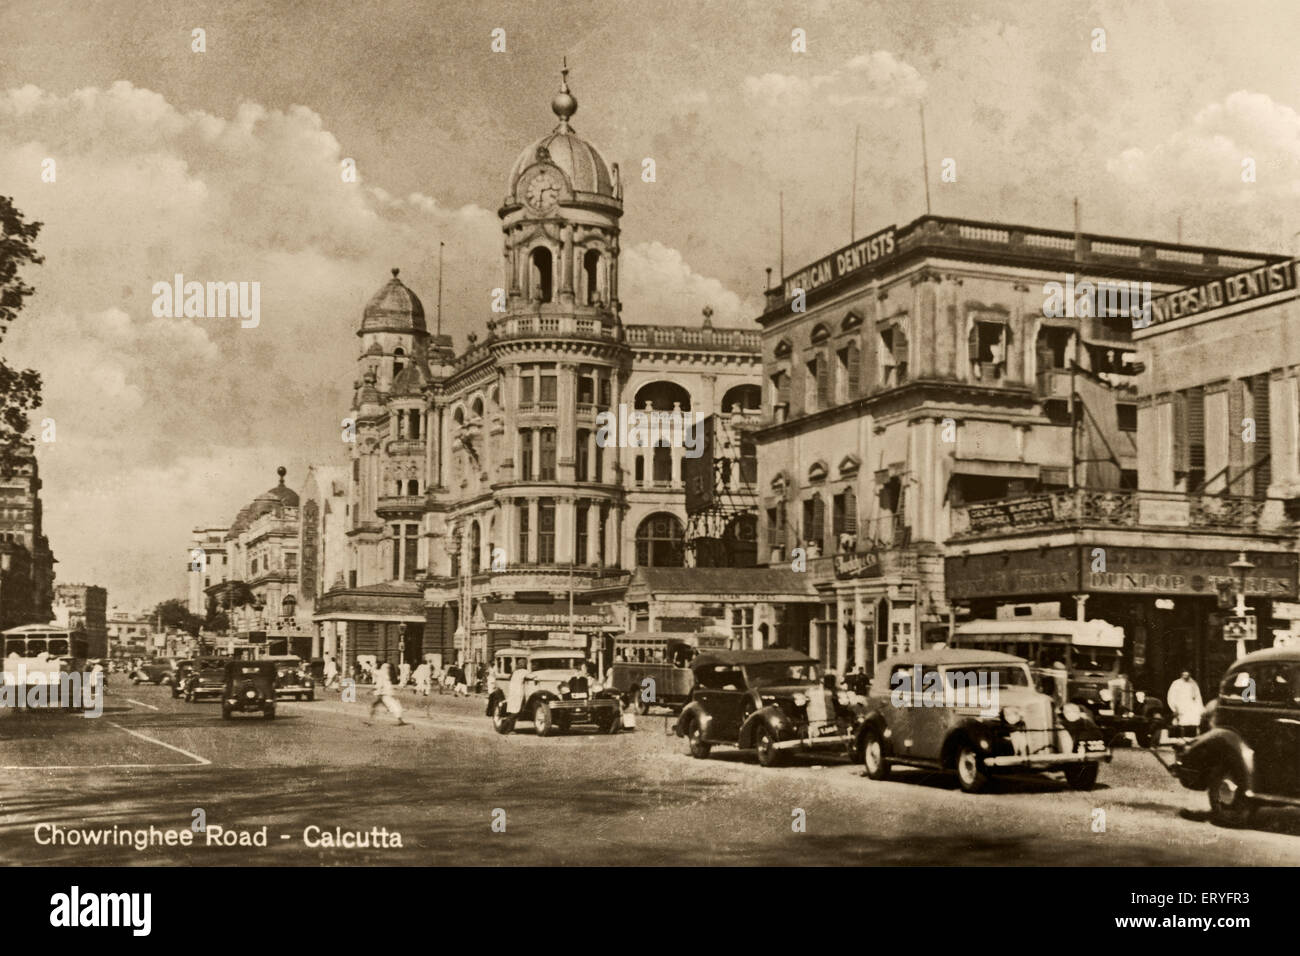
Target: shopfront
column 520, row 622
column 1170, row 602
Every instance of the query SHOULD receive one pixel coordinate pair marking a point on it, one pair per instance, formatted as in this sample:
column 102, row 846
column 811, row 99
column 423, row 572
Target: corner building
column 479, row 497
column 926, row 375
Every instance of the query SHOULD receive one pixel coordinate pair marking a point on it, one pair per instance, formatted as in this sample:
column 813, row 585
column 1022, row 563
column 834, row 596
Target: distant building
column 26, row 563
column 84, row 606
column 208, row 563
column 323, row 515
column 128, row 633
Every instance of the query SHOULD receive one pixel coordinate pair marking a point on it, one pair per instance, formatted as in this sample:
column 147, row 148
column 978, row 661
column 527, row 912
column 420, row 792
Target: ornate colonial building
column 483, row 496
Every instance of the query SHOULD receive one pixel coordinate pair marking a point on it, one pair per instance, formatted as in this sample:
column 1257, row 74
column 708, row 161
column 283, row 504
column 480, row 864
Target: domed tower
column 559, row 352
column 392, row 331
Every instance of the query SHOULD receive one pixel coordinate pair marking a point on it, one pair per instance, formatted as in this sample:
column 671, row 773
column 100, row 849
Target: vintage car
column 977, row 713
column 1250, row 755
column 250, row 685
column 770, row 701
column 293, row 678
column 205, row 677
column 653, row 669
column 161, row 671
column 548, row 685
column 1078, row 661
column 183, row 670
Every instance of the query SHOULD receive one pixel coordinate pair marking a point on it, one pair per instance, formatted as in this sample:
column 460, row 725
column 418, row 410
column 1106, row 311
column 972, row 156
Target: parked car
column 549, row 686
column 976, row 713
column 293, row 678
column 161, row 671
column 249, row 685
column 205, row 677
column 1078, row 661
column 1250, row 754
column 770, row 701
column 662, row 659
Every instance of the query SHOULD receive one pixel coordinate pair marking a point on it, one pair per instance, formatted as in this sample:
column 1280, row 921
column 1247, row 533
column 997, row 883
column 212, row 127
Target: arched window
column 659, row 542
column 748, row 397
column 543, row 274
column 475, row 538
column 591, row 274
column 477, row 408
column 662, row 395
column 412, row 487
column 399, row 360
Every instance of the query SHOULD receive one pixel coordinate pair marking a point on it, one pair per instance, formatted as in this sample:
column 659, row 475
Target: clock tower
column 560, row 221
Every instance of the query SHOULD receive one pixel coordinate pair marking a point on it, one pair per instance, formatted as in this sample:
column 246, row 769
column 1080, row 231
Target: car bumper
column 1045, row 761
column 293, row 691
column 205, row 692
column 578, row 709
column 809, row 743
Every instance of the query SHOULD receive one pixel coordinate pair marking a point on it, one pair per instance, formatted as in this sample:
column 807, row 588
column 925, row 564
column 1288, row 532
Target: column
column 593, row 531
column 860, row 636
column 841, row 647
column 566, row 530
column 566, row 265
column 567, row 395
column 532, row 531
column 814, row 645
column 1080, row 605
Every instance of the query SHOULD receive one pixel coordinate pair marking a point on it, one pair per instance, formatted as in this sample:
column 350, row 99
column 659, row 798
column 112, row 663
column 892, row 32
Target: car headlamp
column 1013, row 715
column 1141, row 696
column 564, row 688
column 1071, row 712
column 250, row 694
column 1105, row 694
column 598, row 686
column 800, row 699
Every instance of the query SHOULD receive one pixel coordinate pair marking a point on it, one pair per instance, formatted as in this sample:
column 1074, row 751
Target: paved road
column 633, row 798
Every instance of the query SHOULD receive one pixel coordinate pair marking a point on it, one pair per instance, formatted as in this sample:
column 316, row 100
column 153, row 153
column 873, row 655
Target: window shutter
column 783, row 387
column 850, row 511
column 1195, row 428
column 818, row 522
column 823, row 382
column 900, row 347
column 1262, row 476
column 973, row 342
column 854, row 369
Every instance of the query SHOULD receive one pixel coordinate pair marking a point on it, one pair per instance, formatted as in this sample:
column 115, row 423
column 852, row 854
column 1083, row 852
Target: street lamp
column 1241, row 567
column 401, row 644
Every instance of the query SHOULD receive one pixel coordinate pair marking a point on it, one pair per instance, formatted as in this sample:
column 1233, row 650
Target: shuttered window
column 854, row 363
column 1262, row 476
column 823, row 382
column 1195, row 437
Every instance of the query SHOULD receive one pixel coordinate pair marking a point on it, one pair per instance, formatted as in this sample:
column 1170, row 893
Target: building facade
column 84, row 606
column 1218, row 482
column 26, row 562
column 487, row 486
column 209, row 564
column 929, row 368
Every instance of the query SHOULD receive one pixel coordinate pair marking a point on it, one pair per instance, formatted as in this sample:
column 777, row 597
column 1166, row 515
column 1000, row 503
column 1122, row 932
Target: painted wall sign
column 843, row 262
column 1230, row 290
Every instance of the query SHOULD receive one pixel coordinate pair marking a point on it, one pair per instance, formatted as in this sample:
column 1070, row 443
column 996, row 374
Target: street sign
column 1239, row 628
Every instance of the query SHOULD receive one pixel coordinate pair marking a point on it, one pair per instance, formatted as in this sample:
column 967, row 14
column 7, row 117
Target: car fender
column 538, row 697
column 1219, row 747
column 770, row 717
column 872, row 720
column 693, row 710
column 969, row 730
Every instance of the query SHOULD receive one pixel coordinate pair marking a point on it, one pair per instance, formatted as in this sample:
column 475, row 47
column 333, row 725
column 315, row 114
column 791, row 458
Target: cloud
column 659, row 288
column 876, row 79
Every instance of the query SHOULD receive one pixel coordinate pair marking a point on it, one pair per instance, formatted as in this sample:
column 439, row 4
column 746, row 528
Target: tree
column 174, row 613
column 20, row 389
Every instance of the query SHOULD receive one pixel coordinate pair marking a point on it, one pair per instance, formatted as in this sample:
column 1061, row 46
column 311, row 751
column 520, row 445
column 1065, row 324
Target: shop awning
column 993, row 468
column 545, row 617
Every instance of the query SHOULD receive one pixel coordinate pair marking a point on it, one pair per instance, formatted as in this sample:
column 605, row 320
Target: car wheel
column 970, row 770
column 542, row 721
column 269, row 713
column 1229, row 805
column 615, row 722
column 765, row 744
column 695, row 736
column 501, row 722
column 1082, row 776
column 189, row 697
column 873, row 755
column 164, row 681
column 225, row 712
column 311, row 696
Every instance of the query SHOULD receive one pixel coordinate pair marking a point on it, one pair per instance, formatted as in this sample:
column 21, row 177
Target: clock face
column 543, row 189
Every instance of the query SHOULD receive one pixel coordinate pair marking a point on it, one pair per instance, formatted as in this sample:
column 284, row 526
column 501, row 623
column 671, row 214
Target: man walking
column 422, row 676
column 1185, row 702
column 384, row 695
column 331, row 671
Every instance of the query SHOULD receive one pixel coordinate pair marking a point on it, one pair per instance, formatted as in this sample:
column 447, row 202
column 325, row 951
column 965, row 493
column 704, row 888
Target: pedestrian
column 1184, row 699
column 403, row 674
column 331, row 670
column 384, row 695
column 462, row 688
column 422, row 675
column 480, row 677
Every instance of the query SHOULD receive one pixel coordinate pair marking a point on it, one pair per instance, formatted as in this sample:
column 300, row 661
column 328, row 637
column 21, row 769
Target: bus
column 35, row 654
column 662, row 659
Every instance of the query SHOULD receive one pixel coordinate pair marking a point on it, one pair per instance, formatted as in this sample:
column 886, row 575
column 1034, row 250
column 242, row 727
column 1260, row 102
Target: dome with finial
column 394, row 308
column 278, row 497
column 577, row 159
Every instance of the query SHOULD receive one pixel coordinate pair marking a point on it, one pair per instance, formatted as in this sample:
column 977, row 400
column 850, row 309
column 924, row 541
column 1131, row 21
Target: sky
column 225, row 165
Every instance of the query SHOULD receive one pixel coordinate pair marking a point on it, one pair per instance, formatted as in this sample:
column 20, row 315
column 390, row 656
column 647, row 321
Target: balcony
column 680, row 337
column 525, row 326
column 405, row 446
column 1095, row 508
column 400, row 506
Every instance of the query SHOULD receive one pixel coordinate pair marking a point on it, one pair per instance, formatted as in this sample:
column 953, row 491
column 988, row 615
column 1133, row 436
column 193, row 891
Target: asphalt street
column 456, row 793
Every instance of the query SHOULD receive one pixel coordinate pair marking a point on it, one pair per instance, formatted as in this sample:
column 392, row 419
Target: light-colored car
column 549, row 686
column 976, row 713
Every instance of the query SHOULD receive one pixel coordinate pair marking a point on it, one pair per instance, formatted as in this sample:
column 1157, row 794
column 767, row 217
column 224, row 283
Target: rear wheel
column 269, row 713
column 695, row 737
column 1082, row 776
column 1229, row 805
column 873, row 755
column 311, row 695
column 542, row 720
column 225, row 712
column 970, row 770
column 765, row 744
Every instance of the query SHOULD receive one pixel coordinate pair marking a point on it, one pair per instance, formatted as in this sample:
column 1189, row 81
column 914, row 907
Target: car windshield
column 557, row 663
column 1097, row 658
column 783, row 672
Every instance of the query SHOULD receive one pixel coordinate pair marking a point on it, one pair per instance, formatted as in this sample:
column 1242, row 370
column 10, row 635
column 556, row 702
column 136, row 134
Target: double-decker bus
column 36, row 654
